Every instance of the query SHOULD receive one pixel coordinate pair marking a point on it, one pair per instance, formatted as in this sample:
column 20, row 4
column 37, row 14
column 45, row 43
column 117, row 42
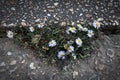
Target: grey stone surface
column 13, row 12
column 25, row 66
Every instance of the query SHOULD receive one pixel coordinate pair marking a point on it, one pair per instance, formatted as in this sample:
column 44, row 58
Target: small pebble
column 88, row 15
column 56, row 3
column 117, row 23
column 100, row 19
column 23, row 23
column 23, row 61
column 3, row 64
column 43, row 73
column 101, row 67
column 110, row 53
column 4, row 24
column 13, row 62
column 11, row 25
column 32, row 66
column 75, row 73
column 96, row 62
column 81, row 14
column 63, row 24
column 71, row 9
column 37, row 20
column 13, row 8
column 23, row 20
column 9, row 53
column 48, row 14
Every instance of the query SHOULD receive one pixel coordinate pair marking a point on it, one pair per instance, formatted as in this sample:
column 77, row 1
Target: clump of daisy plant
column 56, row 42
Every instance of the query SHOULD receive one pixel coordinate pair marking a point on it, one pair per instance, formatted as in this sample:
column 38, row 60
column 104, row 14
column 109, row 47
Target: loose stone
column 13, row 62
column 32, row 66
column 75, row 73
column 9, row 53
column 110, row 53
column 3, row 64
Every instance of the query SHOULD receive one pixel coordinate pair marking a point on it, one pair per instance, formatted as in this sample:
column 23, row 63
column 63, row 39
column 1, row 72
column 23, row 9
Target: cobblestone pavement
column 16, row 11
column 17, row 63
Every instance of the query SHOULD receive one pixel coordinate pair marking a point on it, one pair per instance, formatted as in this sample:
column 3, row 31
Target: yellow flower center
column 69, row 49
column 79, row 40
column 73, row 28
column 65, row 46
column 51, row 42
column 62, row 55
column 97, row 24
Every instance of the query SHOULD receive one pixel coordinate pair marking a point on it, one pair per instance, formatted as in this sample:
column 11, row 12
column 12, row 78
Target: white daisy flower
column 72, row 23
column 41, row 25
column 85, row 29
column 74, row 56
column 70, row 49
column 31, row 29
column 79, row 26
column 96, row 24
column 52, row 43
column 72, row 29
column 10, row 34
column 61, row 54
column 67, row 31
column 90, row 33
column 78, row 42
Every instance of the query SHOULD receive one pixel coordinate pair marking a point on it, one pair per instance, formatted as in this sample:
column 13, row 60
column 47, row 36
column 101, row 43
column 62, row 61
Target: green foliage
column 39, row 39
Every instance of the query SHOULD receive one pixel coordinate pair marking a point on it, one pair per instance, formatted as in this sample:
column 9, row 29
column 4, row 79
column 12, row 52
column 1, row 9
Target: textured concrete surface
column 17, row 63
column 16, row 11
